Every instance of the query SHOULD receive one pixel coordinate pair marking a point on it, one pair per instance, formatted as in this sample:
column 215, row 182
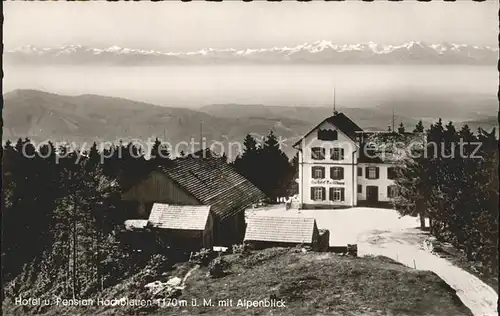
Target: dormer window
column 318, row 153
column 327, row 134
column 370, row 150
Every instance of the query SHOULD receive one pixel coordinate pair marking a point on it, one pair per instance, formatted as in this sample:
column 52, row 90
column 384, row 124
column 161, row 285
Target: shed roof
column 214, row 182
column 182, row 217
column 280, row 229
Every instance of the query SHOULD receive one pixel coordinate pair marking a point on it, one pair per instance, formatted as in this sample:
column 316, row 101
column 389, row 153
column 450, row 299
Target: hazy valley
column 86, row 118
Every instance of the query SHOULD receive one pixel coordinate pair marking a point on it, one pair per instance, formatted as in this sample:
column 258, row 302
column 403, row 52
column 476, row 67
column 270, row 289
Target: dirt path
column 383, row 232
column 406, row 246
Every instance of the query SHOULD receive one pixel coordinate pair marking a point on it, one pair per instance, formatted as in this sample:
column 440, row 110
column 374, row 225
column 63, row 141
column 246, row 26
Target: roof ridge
column 212, row 181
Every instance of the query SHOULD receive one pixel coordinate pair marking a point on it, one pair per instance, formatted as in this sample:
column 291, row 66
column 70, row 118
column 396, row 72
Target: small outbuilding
column 264, row 232
column 183, row 226
column 201, row 179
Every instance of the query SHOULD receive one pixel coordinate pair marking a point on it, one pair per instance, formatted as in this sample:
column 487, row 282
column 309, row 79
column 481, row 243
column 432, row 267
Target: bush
column 202, row 257
column 158, row 263
column 238, row 249
column 217, row 268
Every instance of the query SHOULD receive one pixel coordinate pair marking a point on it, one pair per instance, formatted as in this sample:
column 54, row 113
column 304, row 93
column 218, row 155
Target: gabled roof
column 214, row 182
column 280, row 229
column 342, row 122
column 390, row 147
column 185, row 217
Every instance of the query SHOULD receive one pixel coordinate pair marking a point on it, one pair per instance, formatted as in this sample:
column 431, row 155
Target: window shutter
column 342, row 194
column 360, row 172
column 330, row 194
column 315, row 169
column 312, row 193
column 366, row 172
column 388, row 191
column 323, row 194
column 317, row 153
column 341, row 177
column 341, row 153
column 377, row 173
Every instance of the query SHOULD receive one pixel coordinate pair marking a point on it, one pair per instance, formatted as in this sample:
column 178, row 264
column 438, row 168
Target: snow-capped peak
column 322, row 51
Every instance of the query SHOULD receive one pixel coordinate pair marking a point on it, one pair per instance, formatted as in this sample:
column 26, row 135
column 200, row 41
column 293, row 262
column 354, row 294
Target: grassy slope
column 316, row 283
column 309, row 283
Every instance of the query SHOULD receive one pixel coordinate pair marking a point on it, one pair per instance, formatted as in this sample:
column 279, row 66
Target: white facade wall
column 306, row 163
column 350, row 165
column 382, row 182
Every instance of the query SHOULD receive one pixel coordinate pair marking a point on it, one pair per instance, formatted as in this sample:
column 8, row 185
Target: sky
column 177, row 26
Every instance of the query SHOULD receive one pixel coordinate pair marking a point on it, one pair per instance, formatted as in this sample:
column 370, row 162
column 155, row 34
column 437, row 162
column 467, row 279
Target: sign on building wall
column 327, row 181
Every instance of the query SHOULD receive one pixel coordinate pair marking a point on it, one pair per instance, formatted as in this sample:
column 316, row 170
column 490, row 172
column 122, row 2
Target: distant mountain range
column 86, row 118
column 320, row 52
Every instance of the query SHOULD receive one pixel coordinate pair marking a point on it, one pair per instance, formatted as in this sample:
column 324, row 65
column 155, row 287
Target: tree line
column 62, row 211
column 453, row 181
column 267, row 166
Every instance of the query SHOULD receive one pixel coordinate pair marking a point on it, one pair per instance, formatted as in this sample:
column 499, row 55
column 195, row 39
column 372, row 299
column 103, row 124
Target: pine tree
column 94, row 157
column 419, row 128
column 457, row 191
column 275, row 171
column 248, row 160
column 250, row 144
column 159, row 155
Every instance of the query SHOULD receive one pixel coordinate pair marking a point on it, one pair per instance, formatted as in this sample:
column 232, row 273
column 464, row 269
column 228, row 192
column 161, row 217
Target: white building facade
column 333, row 171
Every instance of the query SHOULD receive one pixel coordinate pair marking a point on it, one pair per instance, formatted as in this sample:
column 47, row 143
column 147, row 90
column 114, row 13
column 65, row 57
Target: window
column 317, row 153
column 391, row 173
column 360, row 188
column 337, row 194
column 392, row 191
column 337, row 173
column 327, row 134
column 318, row 193
column 360, row 172
column 318, row 172
column 372, row 172
column 337, row 153
column 370, row 150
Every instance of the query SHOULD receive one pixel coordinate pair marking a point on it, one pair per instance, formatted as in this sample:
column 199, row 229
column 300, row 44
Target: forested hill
column 86, row 118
